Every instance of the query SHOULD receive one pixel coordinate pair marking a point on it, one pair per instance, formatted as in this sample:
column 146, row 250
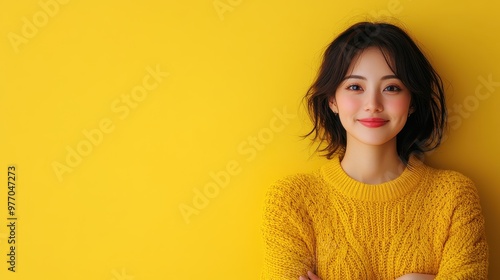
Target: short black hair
column 423, row 130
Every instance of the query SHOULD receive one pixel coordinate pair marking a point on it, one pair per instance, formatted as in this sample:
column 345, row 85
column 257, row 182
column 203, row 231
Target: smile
column 373, row 122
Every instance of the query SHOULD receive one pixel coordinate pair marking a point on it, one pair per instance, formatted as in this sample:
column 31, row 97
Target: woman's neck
column 372, row 164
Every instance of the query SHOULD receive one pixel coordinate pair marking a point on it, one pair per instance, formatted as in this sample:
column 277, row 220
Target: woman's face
column 371, row 102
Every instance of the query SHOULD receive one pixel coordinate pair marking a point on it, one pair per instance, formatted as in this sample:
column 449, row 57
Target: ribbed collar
column 335, row 176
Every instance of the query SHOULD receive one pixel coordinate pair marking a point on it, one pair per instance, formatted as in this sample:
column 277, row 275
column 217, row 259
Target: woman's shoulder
column 450, row 181
column 293, row 187
column 294, row 183
column 448, row 175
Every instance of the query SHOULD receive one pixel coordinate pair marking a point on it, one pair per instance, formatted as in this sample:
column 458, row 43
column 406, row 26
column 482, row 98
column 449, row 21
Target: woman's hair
column 423, row 129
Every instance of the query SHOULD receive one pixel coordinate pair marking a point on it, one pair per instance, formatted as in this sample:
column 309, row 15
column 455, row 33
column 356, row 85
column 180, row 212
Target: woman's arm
column 465, row 253
column 411, row 276
column 287, row 232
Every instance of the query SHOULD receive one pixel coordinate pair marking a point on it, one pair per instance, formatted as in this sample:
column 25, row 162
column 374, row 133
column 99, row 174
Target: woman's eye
column 354, row 87
column 393, row 88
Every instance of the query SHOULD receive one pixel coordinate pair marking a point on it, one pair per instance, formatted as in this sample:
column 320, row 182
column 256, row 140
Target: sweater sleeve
column 287, row 232
column 465, row 253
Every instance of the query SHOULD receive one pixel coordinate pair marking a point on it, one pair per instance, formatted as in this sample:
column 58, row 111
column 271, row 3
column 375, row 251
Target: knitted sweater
column 425, row 221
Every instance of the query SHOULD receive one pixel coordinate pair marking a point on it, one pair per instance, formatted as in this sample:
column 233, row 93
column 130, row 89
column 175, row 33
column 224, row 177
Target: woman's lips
column 373, row 122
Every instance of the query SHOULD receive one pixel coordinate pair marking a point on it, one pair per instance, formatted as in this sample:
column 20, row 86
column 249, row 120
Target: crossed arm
column 410, row 276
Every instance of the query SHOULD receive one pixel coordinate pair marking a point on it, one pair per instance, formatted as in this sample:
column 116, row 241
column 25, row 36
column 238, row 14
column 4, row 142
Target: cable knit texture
column 425, row 221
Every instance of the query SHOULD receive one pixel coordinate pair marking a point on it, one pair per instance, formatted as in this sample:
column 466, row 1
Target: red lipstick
column 373, row 122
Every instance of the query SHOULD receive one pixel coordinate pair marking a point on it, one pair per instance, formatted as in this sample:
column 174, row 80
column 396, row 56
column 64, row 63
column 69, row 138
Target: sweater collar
column 336, row 177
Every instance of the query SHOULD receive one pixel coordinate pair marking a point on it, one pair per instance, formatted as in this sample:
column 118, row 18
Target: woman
column 375, row 210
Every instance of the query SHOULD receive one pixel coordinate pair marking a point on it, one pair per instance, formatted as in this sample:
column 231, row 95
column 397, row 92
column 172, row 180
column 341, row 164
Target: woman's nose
column 373, row 103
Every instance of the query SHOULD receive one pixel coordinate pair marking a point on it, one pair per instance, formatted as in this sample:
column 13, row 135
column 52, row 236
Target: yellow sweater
column 424, row 221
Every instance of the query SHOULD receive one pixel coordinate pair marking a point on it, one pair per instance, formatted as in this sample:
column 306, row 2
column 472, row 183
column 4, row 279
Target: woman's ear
column 411, row 110
column 333, row 104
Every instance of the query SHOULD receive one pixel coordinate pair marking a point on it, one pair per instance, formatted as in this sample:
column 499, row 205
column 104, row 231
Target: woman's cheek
column 348, row 104
column 399, row 106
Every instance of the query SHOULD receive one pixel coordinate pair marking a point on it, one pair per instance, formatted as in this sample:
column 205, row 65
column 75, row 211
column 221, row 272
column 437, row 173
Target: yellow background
column 235, row 67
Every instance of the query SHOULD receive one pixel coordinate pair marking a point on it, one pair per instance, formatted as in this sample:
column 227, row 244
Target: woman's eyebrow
column 364, row 78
